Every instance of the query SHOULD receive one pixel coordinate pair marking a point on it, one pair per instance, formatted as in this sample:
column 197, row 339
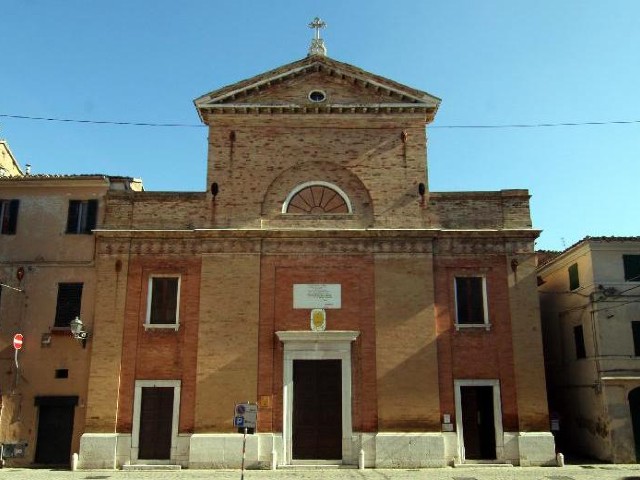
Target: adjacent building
column 8, row 165
column 319, row 278
column 47, row 273
column 590, row 302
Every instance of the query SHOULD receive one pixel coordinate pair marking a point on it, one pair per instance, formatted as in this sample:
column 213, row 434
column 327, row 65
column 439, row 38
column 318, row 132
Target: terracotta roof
column 545, row 256
column 76, row 176
column 611, row 238
column 61, row 176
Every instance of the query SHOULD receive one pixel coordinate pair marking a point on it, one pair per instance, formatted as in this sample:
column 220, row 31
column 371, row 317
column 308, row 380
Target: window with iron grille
column 68, row 304
column 82, row 216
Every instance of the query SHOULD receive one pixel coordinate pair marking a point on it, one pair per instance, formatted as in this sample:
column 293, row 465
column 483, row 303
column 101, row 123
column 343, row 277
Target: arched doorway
column 634, row 407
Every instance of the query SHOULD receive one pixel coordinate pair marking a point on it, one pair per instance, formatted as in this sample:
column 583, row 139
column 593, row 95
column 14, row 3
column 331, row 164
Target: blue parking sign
column 238, row 421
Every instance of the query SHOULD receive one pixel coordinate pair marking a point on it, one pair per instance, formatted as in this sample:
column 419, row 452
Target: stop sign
column 17, row 341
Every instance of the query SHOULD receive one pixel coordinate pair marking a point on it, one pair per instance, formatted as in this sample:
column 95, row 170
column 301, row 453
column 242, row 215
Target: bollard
column 274, row 457
column 361, row 459
column 560, row 459
column 74, row 462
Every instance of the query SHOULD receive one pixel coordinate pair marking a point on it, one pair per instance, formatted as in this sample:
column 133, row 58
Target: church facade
column 370, row 320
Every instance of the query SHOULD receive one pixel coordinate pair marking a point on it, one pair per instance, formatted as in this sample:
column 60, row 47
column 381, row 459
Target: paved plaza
column 571, row 472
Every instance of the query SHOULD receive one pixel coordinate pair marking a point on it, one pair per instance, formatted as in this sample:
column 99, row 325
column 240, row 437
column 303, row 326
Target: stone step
column 481, row 465
column 315, row 466
column 139, row 466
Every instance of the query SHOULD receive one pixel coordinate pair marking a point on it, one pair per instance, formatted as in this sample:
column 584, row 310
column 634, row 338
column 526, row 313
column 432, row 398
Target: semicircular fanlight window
column 317, row 200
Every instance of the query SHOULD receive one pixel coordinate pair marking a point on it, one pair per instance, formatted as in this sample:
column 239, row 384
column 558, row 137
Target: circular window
column 317, row 96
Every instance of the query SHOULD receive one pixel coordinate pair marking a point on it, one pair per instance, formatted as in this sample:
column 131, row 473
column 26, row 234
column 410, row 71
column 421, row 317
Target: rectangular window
column 631, row 268
column 162, row 302
column 82, row 216
column 9, row 216
column 68, row 305
column 635, row 328
column 578, row 337
column 471, row 301
column 574, row 278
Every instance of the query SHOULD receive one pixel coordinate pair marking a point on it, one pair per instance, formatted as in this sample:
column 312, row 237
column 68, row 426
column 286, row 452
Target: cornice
column 337, row 244
column 257, row 233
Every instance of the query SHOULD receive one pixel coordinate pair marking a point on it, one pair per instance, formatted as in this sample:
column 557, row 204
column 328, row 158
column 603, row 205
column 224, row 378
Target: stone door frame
column 135, row 431
column 309, row 345
column 497, row 414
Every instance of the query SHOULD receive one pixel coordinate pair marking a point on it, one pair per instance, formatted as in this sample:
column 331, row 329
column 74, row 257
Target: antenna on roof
column 317, row 44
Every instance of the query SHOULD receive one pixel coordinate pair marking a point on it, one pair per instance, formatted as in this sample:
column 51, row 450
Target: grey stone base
column 265, row 450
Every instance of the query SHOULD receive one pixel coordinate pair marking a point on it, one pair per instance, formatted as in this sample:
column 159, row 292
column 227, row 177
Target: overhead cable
column 197, row 125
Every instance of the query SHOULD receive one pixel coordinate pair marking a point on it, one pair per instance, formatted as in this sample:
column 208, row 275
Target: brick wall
column 338, row 89
column 476, row 353
column 406, row 354
column 227, row 338
column 106, row 344
column 355, row 275
column 248, row 154
column 527, row 342
column 160, row 354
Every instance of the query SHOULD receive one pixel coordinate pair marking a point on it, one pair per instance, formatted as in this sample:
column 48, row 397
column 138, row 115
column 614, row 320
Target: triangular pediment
column 346, row 89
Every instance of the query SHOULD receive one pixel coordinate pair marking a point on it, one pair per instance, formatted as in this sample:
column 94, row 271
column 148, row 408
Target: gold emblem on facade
column 318, row 320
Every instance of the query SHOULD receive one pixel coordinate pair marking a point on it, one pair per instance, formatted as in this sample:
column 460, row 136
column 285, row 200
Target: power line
column 194, row 125
column 102, row 122
column 540, row 125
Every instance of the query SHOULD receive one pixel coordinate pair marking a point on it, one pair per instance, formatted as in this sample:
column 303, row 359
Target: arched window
column 316, row 198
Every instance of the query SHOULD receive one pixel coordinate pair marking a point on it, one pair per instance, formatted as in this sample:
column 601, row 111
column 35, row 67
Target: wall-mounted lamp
column 78, row 331
column 421, row 191
column 214, row 189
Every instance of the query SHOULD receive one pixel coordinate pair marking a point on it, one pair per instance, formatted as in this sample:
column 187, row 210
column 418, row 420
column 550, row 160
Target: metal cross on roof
column 317, row 44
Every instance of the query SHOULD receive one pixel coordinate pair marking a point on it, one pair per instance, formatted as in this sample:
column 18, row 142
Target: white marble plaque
column 317, row 295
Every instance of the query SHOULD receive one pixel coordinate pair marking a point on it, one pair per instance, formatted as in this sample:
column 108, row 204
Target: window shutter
column 92, row 215
column 635, row 326
column 14, row 206
column 578, row 337
column 574, row 277
column 631, row 268
column 164, row 301
column 72, row 216
column 470, row 300
column 69, row 302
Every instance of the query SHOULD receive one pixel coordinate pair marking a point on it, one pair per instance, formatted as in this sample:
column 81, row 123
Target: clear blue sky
column 492, row 62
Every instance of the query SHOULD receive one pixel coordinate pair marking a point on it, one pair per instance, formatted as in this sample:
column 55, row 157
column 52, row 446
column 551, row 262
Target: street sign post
column 246, row 416
column 17, row 345
column 245, row 419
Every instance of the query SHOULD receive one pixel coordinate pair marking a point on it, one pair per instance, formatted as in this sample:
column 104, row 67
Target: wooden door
column 156, row 420
column 478, row 423
column 317, row 410
column 634, row 408
column 55, row 429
